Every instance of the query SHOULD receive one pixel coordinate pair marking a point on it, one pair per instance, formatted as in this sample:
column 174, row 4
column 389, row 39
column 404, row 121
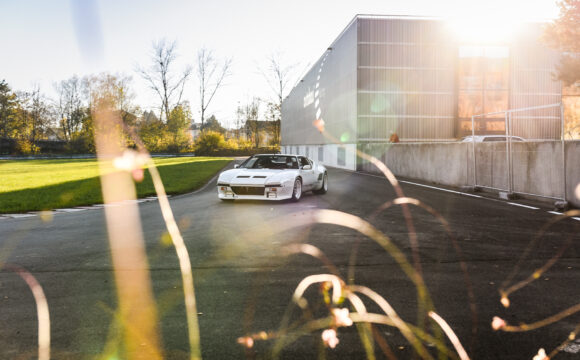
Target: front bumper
column 252, row 192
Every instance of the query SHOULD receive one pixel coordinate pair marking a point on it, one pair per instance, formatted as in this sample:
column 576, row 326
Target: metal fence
column 526, row 153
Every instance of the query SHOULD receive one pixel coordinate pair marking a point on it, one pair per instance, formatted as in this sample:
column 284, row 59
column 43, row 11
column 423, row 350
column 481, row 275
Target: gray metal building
column 412, row 77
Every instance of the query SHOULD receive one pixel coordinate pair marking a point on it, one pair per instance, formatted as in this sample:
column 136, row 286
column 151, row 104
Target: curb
column 50, row 213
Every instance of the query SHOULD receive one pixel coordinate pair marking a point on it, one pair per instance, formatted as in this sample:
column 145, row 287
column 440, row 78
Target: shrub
column 26, row 147
column 209, row 142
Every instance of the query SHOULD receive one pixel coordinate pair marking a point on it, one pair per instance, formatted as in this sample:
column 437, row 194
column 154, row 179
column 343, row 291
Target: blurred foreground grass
column 29, row 185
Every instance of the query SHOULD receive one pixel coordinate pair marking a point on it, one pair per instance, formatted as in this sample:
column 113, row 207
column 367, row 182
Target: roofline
column 371, row 16
column 436, row 18
column 386, row 17
column 350, row 23
column 399, row 17
column 301, row 77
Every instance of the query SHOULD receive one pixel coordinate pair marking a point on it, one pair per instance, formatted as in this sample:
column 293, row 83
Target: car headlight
column 272, row 190
column 225, row 187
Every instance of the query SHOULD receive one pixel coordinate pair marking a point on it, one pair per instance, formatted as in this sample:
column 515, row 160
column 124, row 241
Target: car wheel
column 297, row 192
column 324, row 188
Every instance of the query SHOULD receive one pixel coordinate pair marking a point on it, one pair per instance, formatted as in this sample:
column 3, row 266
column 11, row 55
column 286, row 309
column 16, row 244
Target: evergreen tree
column 212, row 124
column 8, row 107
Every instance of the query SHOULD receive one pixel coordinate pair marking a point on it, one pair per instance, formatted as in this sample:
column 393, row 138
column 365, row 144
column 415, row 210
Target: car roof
column 480, row 136
column 277, row 155
column 490, row 136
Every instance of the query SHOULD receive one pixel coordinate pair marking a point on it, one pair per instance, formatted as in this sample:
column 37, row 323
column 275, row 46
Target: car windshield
column 270, row 162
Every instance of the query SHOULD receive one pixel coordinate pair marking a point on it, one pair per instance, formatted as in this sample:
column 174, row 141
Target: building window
column 483, row 87
column 320, row 153
column 341, row 157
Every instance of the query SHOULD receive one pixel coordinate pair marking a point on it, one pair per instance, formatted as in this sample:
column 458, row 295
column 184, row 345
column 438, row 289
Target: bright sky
column 44, row 42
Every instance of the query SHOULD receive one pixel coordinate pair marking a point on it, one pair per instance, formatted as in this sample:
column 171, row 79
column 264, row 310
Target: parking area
column 245, row 276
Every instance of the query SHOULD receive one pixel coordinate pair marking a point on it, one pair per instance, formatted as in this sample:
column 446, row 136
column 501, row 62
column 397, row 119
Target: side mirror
column 236, row 166
column 307, row 167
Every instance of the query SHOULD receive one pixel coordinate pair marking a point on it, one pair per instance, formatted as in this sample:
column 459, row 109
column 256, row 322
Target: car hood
column 254, row 176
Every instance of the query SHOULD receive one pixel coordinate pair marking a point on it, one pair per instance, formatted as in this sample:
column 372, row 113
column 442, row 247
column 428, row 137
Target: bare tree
column 115, row 88
column 38, row 113
column 240, row 121
column 211, row 74
column 161, row 77
column 252, row 122
column 278, row 77
column 70, row 106
column 273, row 115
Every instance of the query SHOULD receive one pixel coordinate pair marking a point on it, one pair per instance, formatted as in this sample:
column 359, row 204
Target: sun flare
column 494, row 21
column 483, row 29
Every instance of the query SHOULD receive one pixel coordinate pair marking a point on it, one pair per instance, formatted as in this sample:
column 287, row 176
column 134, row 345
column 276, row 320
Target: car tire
column 297, row 190
column 324, row 188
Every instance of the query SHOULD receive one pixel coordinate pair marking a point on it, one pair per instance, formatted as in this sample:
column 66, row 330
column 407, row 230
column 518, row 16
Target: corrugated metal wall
column 406, row 80
column 532, row 84
column 328, row 91
column 396, row 74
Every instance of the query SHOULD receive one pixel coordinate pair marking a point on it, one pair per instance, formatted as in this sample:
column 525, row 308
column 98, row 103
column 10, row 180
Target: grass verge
column 32, row 185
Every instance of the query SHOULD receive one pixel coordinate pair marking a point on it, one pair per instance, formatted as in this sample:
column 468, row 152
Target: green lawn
column 28, row 185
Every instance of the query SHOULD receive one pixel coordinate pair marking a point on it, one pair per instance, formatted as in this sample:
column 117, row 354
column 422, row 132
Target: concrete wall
column 573, row 172
column 537, row 166
column 491, row 165
column 440, row 163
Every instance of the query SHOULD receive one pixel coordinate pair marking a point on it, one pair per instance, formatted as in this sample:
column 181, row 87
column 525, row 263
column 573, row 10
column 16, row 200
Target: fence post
column 473, row 148
column 511, row 152
column 507, row 153
column 508, row 116
column 563, row 149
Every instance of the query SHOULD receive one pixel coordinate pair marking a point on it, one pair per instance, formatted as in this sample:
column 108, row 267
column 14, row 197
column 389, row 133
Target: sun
column 477, row 32
column 481, row 30
column 495, row 21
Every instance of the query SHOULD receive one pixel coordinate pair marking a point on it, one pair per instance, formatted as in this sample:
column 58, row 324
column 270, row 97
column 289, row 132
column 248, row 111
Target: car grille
column 248, row 190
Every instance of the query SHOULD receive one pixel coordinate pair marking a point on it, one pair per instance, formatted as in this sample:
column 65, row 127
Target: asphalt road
column 244, row 282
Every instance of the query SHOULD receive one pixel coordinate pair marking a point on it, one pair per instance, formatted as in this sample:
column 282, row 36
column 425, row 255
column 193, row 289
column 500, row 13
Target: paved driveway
column 244, row 282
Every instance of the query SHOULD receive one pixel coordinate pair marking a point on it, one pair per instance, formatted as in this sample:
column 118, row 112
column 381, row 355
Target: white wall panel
column 327, row 91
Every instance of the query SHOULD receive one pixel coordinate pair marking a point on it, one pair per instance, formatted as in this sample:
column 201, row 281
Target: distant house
column 194, row 130
column 149, row 117
column 233, row 134
column 127, row 117
column 54, row 134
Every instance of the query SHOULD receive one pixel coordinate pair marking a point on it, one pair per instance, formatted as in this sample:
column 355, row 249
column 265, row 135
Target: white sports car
column 273, row 177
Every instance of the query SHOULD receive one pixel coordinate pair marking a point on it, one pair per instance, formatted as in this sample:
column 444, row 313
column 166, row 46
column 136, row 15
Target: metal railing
column 538, row 124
